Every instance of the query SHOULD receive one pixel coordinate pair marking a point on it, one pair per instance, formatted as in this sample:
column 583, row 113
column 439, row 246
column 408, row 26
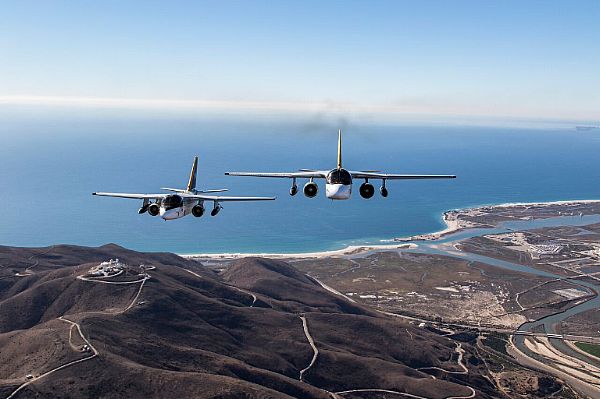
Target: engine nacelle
column 198, row 210
column 366, row 190
column 384, row 191
column 294, row 190
column 311, row 189
column 216, row 210
column 153, row 209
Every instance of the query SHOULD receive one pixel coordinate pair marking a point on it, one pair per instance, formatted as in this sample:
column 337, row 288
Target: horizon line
column 326, row 106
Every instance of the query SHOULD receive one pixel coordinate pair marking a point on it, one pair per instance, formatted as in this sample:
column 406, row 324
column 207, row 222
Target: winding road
column 312, row 345
column 458, row 349
column 254, row 298
column 461, row 353
column 76, row 325
column 64, row 366
column 408, row 395
column 28, row 271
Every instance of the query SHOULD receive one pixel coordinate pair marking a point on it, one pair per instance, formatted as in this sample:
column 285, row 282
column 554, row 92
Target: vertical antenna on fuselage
column 192, row 182
column 339, row 160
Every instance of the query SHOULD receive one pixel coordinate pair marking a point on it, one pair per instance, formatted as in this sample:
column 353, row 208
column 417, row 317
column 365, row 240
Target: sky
column 497, row 59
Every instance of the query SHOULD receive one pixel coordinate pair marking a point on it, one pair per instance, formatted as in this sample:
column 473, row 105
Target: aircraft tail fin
column 339, row 157
column 192, row 182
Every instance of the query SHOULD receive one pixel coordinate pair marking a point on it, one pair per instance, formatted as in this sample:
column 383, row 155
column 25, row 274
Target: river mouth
column 445, row 246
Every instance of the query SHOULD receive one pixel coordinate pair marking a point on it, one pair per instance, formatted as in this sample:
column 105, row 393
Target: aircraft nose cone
column 164, row 214
column 170, row 214
column 338, row 191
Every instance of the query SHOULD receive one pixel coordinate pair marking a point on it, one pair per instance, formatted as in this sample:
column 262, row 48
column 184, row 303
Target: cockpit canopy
column 339, row 176
column 172, row 201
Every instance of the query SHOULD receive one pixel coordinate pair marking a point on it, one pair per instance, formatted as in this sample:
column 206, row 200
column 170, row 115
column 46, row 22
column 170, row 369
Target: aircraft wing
column 133, row 196
column 302, row 174
column 391, row 176
column 220, row 198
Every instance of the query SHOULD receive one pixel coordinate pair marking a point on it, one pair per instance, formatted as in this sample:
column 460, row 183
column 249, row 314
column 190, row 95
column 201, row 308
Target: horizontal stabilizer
column 180, row 191
column 218, row 190
column 175, row 190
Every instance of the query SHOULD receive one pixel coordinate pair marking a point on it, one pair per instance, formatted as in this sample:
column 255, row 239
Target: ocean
column 49, row 166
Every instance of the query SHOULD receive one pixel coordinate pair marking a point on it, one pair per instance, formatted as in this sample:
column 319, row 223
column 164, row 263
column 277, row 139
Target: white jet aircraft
column 183, row 202
column 339, row 180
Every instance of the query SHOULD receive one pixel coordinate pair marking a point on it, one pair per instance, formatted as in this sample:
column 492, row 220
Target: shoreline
column 449, row 217
column 453, row 224
column 349, row 250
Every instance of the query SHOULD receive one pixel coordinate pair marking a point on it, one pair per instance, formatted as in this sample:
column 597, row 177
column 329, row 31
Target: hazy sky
column 499, row 58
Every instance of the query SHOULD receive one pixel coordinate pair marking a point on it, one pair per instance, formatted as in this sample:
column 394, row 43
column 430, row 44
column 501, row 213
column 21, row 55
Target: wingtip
column 94, row 193
column 226, row 173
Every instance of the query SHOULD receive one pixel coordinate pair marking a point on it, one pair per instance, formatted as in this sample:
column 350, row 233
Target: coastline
column 450, row 219
column 349, row 250
column 453, row 224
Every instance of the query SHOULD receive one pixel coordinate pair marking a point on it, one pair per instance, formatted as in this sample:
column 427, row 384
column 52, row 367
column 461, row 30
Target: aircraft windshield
column 172, row 201
column 339, row 176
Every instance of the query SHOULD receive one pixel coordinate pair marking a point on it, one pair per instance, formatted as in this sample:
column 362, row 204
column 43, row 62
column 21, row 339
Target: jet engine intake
column 366, row 190
column 198, row 210
column 294, row 190
column 153, row 209
column 311, row 189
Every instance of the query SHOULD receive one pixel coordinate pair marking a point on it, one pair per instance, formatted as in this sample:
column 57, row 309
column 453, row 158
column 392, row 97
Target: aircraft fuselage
column 338, row 184
column 175, row 207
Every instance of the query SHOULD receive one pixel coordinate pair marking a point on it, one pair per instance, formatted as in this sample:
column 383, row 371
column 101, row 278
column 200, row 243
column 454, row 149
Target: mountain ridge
column 191, row 332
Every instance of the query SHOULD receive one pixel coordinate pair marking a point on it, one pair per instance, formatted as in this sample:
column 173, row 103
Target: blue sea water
column 50, row 166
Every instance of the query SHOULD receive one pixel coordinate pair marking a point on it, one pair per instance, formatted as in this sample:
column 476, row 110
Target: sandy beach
column 454, row 224
column 349, row 250
column 450, row 218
